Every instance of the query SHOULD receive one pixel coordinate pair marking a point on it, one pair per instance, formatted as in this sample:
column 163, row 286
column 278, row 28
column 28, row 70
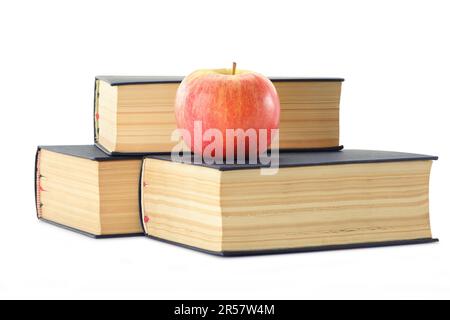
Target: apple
column 227, row 99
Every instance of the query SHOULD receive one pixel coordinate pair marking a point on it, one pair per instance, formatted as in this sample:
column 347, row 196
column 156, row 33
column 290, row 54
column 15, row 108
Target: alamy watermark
column 240, row 147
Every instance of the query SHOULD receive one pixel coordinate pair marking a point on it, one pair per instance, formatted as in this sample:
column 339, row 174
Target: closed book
column 135, row 115
column 316, row 201
column 83, row 189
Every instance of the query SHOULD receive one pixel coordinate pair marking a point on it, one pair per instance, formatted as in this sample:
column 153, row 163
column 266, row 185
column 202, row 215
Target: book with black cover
column 316, row 201
column 135, row 114
column 82, row 189
column 130, row 80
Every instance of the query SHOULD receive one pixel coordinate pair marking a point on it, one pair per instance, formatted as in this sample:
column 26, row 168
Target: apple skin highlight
column 222, row 100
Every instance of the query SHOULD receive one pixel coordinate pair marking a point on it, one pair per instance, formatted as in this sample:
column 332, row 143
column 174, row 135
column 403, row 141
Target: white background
column 393, row 54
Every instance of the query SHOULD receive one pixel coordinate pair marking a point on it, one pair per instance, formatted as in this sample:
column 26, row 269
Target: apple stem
column 234, row 69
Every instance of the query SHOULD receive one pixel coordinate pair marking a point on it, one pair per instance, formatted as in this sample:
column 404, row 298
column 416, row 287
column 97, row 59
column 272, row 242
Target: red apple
column 227, row 99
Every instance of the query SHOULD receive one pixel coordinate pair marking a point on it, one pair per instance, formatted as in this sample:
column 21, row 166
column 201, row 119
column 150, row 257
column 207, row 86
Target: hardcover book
column 136, row 114
column 316, row 201
column 83, row 189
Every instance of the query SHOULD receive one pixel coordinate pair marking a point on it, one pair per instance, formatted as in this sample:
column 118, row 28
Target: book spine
column 38, row 185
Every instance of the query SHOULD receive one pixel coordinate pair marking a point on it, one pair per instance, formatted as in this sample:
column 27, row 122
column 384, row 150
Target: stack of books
column 322, row 197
